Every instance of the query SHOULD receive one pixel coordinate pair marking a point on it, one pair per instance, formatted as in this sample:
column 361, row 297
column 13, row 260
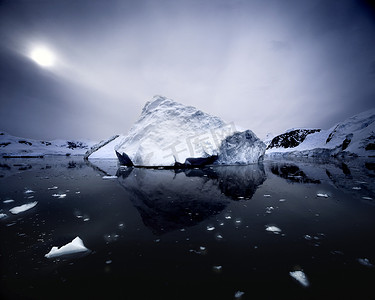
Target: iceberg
column 171, row 134
column 18, row 209
column 75, row 246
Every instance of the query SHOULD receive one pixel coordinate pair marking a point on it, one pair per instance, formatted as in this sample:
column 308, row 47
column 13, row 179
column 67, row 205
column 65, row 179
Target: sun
column 43, row 57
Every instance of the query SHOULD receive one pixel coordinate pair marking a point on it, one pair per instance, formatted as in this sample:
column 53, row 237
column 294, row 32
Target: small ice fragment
column 60, row 196
column 357, row 188
column 8, row 201
column 157, row 240
column 217, row 268
column 322, row 195
column 267, row 195
column 121, row 226
column 29, row 191
column 53, row 188
column 78, row 192
column 18, row 209
column 2, row 215
column 75, row 246
column 240, row 197
column 221, row 223
column 273, row 229
column 367, row 198
column 108, row 262
column 300, row 277
column 228, row 217
column 365, row 262
column 238, row 294
column 238, row 221
column 86, row 219
column 182, row 229
column 109, row 177
column 202, row 248
column 282, row 200
column 30, row 197
column 219, row 237
column 210, row 228
column 307, row 237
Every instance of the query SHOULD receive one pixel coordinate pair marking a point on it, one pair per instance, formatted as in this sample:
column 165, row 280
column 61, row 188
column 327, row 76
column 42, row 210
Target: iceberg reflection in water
column 173, row 199
column 188, row 234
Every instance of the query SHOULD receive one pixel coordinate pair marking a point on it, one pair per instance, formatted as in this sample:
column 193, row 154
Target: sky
column 264, row 65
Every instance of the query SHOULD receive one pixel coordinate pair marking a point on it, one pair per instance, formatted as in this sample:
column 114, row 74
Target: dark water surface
column 198, row 234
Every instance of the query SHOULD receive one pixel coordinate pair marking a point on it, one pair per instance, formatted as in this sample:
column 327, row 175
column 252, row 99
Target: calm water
column 199, row 234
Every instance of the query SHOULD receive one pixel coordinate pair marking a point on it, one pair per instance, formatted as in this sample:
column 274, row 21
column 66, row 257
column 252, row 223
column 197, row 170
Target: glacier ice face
column 168, row 132
column 241, row 148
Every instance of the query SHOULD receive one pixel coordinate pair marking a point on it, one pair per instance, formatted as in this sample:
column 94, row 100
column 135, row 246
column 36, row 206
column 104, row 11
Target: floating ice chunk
column 273, row 229
column 75, row 246
column 238, row 294
column 110, row 177
column 202, row 248
column 2, row 215
column 60, row 196
column 18, row 209
column 78, row 192
column 29, row 191
column 53, row 188
column 219, row 237
column 217, row 268
column 267, row 195
column 108, row 262
column 8, row 201
column 228, row 217
column 210, row 228
column 365, row 262
column 357, row 188
column 367, row 198
column 322, row 195
column 282, row 200
column 300, row 277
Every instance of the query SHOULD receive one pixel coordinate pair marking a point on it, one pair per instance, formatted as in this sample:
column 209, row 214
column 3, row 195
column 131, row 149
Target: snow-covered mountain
column 12, row 146
column 169, row 132
column 353, row 137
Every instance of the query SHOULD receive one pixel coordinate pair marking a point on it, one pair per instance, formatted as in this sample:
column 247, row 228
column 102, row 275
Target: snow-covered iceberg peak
column 169, row 132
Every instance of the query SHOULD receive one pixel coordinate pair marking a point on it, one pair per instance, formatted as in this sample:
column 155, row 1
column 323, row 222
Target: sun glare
column 43, row 57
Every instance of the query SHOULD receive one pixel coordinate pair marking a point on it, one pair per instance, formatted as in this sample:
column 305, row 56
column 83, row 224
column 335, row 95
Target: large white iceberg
column 75, row 246
column 168, row 132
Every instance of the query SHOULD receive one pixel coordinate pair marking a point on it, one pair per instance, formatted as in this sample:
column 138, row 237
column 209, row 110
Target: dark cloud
column 267, row 66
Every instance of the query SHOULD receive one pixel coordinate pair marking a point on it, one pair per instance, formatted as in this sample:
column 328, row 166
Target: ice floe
column 2, row 215
column 322, row 195
column 18, row 209
column 8, row 201
column 60, row 196
column 110, row 177
column 53, row 188
column 238, row 294
column 365, row 262
column 210, row 228
column 273, row 229
column 29, row 191
column 301, row 277
column 75, row 246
